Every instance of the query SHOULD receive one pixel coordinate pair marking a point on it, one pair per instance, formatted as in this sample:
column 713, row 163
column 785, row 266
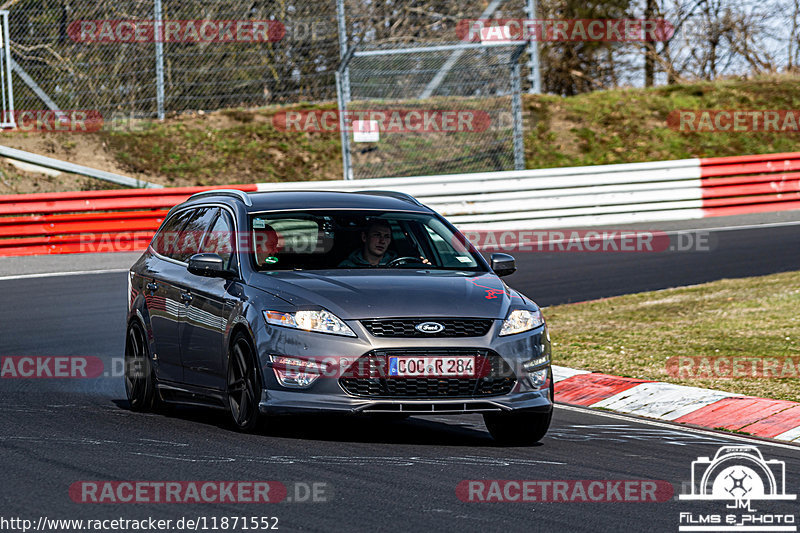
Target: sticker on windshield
column 464, row 259
column 259, row 224
column 271, row 260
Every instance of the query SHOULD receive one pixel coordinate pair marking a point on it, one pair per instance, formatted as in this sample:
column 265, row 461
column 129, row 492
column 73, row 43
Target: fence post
column 516, row 110
column 534, row 75
column 342, row 98
column 346, row 168
column 342, row 22
column 7, row 89
column 159, row 34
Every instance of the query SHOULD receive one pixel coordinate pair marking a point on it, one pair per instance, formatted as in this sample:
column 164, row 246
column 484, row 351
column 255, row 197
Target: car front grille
column 368, row 376
column 406, row 327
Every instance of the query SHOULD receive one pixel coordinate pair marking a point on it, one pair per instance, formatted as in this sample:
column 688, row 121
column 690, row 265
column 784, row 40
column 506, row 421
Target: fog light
column 538, row 378
column 296, row 373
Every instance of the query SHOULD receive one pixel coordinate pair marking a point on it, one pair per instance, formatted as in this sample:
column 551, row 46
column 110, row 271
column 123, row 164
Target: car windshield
column 317, row 240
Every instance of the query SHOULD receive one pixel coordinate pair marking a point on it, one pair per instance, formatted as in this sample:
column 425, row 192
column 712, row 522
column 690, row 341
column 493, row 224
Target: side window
column 448, row 255
column 220, row 239
column 191, row 236
column 438, row 242
column 165, row 241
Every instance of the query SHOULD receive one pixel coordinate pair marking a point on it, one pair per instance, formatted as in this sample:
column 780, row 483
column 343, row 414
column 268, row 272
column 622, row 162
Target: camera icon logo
column 738, row 473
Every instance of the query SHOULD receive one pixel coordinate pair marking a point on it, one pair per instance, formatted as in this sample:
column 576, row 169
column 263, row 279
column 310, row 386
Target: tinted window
column 351, row 239
column 220, row 239
column 191, row 235
column 166, row 239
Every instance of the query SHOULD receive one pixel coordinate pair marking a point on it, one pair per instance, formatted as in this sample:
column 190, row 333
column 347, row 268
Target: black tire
column 140, row 384
column 517, row 429
column 244, row 390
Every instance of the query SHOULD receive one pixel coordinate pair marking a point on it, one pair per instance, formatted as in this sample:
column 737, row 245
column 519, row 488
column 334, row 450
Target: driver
column 375, row 250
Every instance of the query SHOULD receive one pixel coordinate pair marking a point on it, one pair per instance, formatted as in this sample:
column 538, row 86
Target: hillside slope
column 243, row 146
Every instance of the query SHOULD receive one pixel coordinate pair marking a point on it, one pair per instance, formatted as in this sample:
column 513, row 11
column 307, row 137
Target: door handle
column 186, row 297
column 152, row 286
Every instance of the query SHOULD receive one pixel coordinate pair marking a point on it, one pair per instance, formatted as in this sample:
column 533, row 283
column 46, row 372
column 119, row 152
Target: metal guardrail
column 64, row 166
column 545, row 198
column 599, row 195
column 531, row 199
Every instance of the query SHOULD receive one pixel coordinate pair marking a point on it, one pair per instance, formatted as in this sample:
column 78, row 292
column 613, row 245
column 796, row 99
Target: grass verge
column 630, row 125
column 634, row 335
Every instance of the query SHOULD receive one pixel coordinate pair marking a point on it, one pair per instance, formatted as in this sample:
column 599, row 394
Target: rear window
column 182, row 235
column 166, row 240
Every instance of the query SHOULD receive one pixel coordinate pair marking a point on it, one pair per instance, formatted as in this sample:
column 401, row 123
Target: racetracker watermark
column 384, row 120
column 62, row 121
column 563, row 30
column 733, row 367
column 294, row 370
column 67, row 367
column 565, row 491
column 115, row 492
column 263, row 241
column 127, row 31
column 267, row 242
column 635, row 241
column 44, row 367
column 72, row 121
column 735, row 120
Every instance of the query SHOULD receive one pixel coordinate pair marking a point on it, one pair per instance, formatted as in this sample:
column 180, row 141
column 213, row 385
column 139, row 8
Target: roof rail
column 234, row 193
column 393, row 194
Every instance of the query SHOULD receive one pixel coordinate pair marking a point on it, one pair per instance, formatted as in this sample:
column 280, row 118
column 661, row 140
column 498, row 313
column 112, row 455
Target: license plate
column 406, row 367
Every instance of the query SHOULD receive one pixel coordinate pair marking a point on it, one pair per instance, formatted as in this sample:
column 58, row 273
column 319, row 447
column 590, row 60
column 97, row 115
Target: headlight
column 321, row 321
column 520, row 320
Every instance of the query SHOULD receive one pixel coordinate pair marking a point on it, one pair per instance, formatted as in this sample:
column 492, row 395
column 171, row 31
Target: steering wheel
column 397, row 261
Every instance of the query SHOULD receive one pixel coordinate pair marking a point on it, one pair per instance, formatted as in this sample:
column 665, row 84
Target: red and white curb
column 775, row 419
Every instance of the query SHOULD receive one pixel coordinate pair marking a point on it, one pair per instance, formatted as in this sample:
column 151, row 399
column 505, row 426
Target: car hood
column 358, row 294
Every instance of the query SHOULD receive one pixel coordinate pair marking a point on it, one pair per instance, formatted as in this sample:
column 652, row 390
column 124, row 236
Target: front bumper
column 287, row 402
column 327, row 394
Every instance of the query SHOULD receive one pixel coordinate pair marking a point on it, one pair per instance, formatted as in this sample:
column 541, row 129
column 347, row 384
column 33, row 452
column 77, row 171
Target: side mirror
column 503, row 264
column 208, row 265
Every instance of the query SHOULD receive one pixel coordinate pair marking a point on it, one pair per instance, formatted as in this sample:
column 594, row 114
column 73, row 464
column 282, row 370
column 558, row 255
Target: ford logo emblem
column 429, row 327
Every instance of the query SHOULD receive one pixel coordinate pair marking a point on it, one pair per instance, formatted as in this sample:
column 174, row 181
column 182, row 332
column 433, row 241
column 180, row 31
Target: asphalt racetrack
column 372, row 475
